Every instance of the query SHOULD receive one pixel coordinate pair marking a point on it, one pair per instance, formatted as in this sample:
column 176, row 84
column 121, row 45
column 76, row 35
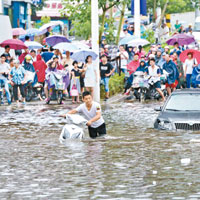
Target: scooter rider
column 154, row 72
column 92, row 112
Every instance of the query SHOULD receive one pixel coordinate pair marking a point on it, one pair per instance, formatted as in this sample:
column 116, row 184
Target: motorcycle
column 32, row 90
column 140, row 85
column 57, row 84
column 143, row 86
column 152, row 92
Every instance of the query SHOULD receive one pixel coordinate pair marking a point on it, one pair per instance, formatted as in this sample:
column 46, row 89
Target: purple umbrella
column 55, row 39
column 182, row 39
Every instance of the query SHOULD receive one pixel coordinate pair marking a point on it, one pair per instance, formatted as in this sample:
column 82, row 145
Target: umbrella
column 138, row 42
column 55, row 39
column 33, row 45
column 18, row 31
column 196, row 54
column 43, row 29
column 66, row 46
column 14, row 44
column 32, row 31
column 81, row 55
column 81, row 46
column 127, row 39
column 182, row 39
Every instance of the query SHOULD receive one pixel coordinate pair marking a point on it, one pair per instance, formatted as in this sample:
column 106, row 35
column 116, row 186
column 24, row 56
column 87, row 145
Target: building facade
column 18, row 11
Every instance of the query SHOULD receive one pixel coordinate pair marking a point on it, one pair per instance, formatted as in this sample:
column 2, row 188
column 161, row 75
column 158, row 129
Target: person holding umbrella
column 189, row 64
column 7, row 53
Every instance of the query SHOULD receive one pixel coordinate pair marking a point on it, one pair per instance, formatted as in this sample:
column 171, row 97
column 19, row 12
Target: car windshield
column 196, row 27
column 184, row 102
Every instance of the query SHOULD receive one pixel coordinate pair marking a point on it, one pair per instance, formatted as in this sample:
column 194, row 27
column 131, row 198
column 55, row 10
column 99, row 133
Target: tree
column 120, row 22
column 44, row 20
column 79, row 12
column 174, row 6
column 37, row 6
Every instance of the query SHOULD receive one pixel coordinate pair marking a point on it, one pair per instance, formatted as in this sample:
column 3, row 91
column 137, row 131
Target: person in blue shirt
column 17, row 80
column 176, row 49
column 125, row 26
column 142, row 67
column 47, row 55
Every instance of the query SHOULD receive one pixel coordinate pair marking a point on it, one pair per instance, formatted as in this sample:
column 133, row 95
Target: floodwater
column 133, row 161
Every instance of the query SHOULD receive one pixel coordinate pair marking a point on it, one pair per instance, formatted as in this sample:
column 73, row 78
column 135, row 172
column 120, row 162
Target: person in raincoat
column 142, row 67
column 133, row 65
column 40, row 67
column 173, row 74
column 48, row 85
column 196, row 76
column 29, row 67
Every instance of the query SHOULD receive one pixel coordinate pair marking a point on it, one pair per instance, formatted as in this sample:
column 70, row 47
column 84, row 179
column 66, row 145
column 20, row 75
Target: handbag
column 74, row 91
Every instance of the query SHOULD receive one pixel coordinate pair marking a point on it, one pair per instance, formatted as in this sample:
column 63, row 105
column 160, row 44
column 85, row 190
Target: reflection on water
column 133, row 162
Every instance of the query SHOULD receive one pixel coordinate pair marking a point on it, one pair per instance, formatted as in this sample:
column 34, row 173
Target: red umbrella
column 18, row 31
column 14, row 44
column 195, row 53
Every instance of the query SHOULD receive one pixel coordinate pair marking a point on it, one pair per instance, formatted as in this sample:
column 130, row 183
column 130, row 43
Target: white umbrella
column 65, row 46
column 43, row 29
column 80, row 45
column 81, row 55
column 137, row 42
column 33, row 45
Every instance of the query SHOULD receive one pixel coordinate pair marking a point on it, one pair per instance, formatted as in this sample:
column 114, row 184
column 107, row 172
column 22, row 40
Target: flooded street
column 134, row 161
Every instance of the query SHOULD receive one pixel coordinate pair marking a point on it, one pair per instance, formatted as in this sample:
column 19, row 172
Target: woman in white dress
column 90, row 75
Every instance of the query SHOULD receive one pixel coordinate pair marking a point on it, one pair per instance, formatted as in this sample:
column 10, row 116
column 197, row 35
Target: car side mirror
column 158, row 109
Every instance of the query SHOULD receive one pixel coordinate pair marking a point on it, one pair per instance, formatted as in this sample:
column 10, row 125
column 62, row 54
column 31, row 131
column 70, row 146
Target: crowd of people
column 79, row 77
column 158, row 60
column 38, row 65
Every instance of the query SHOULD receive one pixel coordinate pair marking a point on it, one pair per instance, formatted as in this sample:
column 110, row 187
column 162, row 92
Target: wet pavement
column 133, row 161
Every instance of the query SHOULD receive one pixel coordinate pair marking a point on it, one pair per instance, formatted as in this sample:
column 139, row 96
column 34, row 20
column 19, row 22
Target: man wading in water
column 92, row 112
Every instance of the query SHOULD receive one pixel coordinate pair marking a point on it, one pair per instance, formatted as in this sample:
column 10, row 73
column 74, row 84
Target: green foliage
column 110, row 38
column 116, row 85
column 174, row 6
column 79, row 12
column 196, row 3
column 149, row 35
column 37, row 7
column 44, row 20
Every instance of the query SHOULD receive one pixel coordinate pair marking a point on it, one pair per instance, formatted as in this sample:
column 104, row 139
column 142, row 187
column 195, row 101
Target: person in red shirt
column 23, row 55
column 133, row 65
